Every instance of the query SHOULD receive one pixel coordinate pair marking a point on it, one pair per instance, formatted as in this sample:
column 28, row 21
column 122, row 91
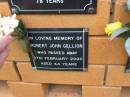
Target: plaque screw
column 14, row 10
column 91, row 10
column 128, row 70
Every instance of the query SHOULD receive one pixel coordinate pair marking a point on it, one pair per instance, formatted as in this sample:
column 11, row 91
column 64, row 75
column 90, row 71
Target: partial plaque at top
column 53, row 6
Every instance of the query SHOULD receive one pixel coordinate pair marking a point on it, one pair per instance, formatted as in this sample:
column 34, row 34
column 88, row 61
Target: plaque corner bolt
column 14, row 10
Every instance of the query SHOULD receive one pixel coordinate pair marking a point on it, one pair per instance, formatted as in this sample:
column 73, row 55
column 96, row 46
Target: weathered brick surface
column 9, row 72
column 22, row 89
column 120, row 12
column 117, row 76
column 93, row 91
column 94, row 75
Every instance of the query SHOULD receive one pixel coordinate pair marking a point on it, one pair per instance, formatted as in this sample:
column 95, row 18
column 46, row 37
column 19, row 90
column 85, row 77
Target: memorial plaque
column 53, row 6
column 64, row 49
